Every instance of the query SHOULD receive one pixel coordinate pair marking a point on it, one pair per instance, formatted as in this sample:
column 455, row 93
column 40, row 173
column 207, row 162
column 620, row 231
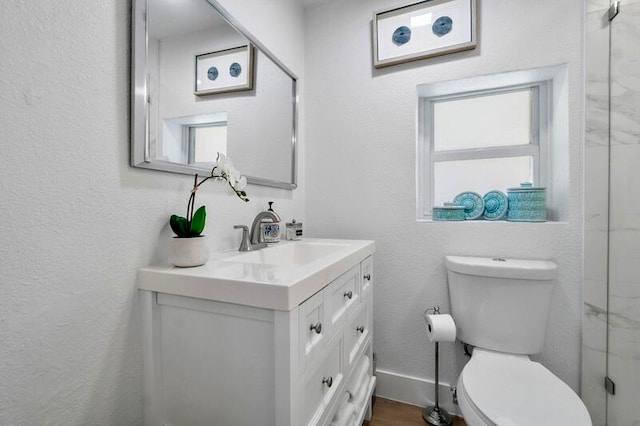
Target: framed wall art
column 423, row 30
column 228, row 70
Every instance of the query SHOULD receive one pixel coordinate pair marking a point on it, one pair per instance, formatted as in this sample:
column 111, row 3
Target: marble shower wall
column 612, row 227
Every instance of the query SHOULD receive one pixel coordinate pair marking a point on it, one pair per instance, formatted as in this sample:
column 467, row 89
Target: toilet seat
column 511, row 390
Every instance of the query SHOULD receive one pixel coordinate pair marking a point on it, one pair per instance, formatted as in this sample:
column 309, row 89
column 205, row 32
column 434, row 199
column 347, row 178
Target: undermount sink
column 298, row 254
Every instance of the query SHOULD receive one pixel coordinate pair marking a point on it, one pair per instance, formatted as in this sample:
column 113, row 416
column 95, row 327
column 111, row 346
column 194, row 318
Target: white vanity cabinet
column 295, row 350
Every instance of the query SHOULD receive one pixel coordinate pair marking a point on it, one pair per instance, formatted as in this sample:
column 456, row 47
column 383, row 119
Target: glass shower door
column 623, row 322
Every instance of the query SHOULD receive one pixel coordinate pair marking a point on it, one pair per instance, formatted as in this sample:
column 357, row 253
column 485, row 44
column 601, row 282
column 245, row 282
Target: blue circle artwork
column 442, row 26
column 212, row 73
column 401, row 35
column 235, row 69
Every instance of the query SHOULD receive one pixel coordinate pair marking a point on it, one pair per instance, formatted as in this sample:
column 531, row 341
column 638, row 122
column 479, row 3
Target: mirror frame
column 139, row 140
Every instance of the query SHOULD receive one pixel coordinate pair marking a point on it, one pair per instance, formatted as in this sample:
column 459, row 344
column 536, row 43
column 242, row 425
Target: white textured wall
column 361, row 130
column 77, row 221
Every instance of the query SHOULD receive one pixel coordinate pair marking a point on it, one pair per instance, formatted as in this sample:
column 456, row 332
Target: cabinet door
column 360, row 385
column 313, row 328
column 342, row 297
column 321, row 385
column 357, row 390
column 367, row 276
column 356, row 334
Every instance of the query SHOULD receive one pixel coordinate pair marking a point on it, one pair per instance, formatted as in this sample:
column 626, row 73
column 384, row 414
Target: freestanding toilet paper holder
column 434, row 414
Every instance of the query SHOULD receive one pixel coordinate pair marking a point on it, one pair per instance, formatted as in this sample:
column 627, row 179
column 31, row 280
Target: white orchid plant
column 193, row 224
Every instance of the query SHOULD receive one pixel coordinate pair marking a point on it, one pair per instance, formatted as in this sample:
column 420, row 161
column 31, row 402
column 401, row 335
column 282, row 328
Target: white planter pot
column 188, row 252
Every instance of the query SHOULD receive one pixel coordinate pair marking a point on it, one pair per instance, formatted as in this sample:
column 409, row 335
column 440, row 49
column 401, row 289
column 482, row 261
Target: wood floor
column 393, row 413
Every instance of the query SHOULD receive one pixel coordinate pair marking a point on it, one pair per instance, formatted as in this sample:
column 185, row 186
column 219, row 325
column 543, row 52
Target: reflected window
column 194, row 139
column 206, row 141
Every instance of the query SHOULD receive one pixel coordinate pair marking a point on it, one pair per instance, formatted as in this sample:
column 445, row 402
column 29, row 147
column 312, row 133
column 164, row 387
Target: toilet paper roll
column 441, row 328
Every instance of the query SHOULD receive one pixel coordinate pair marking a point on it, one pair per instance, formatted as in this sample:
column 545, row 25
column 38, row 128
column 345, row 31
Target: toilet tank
column 501, row 304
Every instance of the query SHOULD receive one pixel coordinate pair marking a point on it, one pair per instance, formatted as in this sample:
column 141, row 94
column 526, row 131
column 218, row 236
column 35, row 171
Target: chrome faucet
column 257, row 239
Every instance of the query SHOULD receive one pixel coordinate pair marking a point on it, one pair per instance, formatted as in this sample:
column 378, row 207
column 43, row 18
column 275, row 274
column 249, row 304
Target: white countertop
column 277, row 277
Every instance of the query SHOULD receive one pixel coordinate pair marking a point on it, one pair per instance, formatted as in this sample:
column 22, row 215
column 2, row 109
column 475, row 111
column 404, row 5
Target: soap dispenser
column 270, row 230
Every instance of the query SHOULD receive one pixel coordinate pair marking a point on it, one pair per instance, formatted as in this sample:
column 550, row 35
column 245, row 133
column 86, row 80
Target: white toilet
column 500, row 306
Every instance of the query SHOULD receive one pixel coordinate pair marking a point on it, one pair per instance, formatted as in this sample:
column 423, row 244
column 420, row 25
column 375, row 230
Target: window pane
column 497, row 119
column 481, row 176
column 208, row 141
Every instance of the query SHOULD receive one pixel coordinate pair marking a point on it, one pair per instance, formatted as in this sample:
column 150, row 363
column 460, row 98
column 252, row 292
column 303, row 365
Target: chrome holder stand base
column 436, row 416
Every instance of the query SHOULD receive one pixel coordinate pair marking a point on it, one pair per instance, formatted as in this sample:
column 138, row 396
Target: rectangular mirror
column 202, row 85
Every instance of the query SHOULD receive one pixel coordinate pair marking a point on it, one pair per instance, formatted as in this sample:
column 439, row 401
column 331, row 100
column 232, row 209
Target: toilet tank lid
column 523, row 269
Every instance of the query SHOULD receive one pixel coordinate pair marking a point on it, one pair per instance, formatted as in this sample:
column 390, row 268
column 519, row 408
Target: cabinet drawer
column 367, row 277
column 356, row 334
column 342, row 296
column 322, row 385
column 313, row 330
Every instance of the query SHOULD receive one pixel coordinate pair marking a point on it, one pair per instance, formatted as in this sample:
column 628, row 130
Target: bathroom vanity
column 279, row 336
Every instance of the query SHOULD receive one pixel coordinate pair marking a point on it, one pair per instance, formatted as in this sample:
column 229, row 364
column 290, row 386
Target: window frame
column 427, row 156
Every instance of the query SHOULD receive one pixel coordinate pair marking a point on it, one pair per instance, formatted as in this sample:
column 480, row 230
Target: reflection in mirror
column 208, row 90
column 206, row 141
column 192, row 140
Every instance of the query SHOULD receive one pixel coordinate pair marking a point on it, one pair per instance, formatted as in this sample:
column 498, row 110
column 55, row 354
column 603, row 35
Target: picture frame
column 423, row 30
column 223, row 71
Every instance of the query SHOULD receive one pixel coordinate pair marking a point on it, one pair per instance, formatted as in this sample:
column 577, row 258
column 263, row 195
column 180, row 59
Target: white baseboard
column 413, row 390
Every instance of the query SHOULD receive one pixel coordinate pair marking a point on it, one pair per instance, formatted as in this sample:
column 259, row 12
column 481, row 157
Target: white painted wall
column 77, row 221
column 361, row 130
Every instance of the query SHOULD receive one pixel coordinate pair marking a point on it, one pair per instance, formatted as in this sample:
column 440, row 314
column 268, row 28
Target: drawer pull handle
column 327, row 381
column 360, row 329
column 367, row 277
column 317, row 327
column 348, row 294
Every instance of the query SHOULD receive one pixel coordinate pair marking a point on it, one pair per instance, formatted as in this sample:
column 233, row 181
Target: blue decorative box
column 527, row 203
column 448, row 212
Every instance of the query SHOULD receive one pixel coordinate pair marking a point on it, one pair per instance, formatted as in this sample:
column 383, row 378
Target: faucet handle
column 245, row 244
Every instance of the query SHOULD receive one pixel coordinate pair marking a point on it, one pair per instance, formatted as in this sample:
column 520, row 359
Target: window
column 484, row 141
column 483, row 133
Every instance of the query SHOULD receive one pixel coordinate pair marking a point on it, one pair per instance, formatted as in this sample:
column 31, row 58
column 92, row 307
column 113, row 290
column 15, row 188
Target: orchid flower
column 193, row 224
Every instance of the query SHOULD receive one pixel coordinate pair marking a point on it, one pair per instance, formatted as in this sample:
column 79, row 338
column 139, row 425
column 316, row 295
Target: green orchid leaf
column 178, row 225
column 198, row 222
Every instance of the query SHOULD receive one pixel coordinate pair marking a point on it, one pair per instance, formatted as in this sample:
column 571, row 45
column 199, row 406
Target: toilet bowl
column 511, row 390
column 501, row 307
